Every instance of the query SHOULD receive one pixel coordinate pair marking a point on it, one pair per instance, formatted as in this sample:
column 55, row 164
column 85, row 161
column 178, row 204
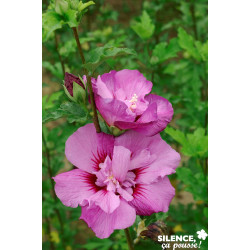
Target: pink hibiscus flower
column 123, row 99
column 117, row 177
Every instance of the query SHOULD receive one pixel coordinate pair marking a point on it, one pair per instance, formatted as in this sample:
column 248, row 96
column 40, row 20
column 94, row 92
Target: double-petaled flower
column 123, row 99
column 116, row 177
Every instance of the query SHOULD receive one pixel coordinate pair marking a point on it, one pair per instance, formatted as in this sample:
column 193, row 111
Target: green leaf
column 55, row 69
column 83, row 6
column 99, row 55
column 195, row 144
column 202, row 49
column 164, row 51
column 51, row 21
column 198, row 144
column 177, row 135
column 79, row 93
column 195, row 183
column 187, row 42
column 73, row 111
column 144, row 28
column 71, row 18
column 61, row 6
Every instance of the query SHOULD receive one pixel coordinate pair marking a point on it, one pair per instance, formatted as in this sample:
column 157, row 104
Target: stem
column 129, row 241
column 192, row 9
column 52, row 247
column 47, row 153
column 60, row 58
column 89, row 85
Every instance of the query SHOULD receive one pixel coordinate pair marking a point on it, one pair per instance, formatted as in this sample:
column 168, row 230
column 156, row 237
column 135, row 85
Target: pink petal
column 101, row 89
column 120, row 162
column 104, row 224
column 106, row 200
column 162, row 160
column 112, row 110
column 133, row 82
column 164, row 115
column 153, row 198
column 149, row 115
column 73, row 188
column 141, row 159
column 86, row 149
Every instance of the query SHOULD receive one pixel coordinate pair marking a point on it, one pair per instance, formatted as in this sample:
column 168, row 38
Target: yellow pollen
column 134, row 98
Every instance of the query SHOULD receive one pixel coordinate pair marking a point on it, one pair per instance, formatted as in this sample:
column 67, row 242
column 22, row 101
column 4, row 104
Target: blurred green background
column 170, row 39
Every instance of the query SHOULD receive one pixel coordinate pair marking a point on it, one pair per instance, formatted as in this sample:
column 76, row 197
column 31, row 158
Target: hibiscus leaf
column 55, row 68
column 82, row 6
column 195, row 144
column 177, row 135
column 164, row 51
column 97, row 56
column 73, row 111
column 195, row 183
column 51, row 21
column 71, row 18
column 187, row 43
column 145, row 27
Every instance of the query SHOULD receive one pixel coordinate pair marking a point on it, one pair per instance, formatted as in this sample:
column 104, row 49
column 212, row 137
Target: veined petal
column 120, row 162
column 106, row 200
column 113, row 110
column 103, row 224
column 73, row 188
column 85, row 147
column 101, row 89
column 163, row 160
column 153, row 198
column 164, row 114
column 133, row 82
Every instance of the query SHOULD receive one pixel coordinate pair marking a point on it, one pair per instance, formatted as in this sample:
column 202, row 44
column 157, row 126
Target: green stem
column 129, row 241
column 47, row 153
column 60, row 58
column 192, row 9
column 89, row 85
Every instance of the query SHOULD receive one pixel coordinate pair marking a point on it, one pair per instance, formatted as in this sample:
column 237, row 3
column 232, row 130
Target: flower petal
column 163, row 160
column 73, row 188
column 101, row 89
column 103, row 224
column 106, row 200
column 164, row 116
column 133, row 82
column 113, row 110
column 153, row 198
column 86, row 149
column 120, row 162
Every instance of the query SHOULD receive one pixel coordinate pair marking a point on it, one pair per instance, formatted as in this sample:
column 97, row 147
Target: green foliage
column 51, row 22
column 97, row 56
column 194, row 48
column 195, row 144
column 73, row 111
column 164, row 51
column 195, row 183
column 143, row 28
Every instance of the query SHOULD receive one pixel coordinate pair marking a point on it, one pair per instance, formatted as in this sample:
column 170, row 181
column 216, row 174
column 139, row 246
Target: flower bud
column 155, row 229
column 75, row 87
column 61, row 6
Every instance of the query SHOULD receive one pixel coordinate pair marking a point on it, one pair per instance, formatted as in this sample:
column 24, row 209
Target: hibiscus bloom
column 116, row 177
column 123, row 99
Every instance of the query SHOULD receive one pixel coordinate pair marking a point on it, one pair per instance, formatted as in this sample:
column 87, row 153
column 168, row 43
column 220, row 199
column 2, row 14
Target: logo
column 182, row 241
